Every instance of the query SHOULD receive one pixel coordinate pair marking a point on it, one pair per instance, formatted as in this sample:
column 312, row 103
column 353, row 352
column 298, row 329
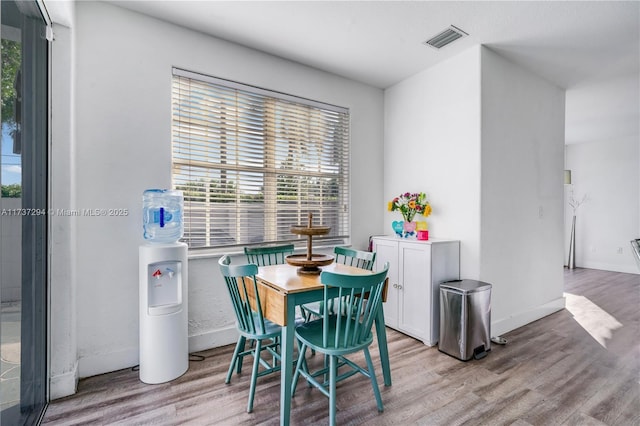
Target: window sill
column 239, row 251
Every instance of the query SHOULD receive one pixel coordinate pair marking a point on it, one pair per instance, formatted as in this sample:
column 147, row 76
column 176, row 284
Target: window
column 252, row 163
column 24, row 254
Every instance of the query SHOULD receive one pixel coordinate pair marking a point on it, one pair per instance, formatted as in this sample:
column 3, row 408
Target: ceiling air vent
column 447, row 36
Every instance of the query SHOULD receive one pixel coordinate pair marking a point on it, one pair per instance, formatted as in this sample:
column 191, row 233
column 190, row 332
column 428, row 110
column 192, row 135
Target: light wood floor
column 551, row 372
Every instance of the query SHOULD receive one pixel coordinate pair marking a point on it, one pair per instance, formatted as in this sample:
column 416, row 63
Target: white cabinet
column 416, row 269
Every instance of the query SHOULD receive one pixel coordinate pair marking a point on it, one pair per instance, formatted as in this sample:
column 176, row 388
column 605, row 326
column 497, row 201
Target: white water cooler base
column 164, row 344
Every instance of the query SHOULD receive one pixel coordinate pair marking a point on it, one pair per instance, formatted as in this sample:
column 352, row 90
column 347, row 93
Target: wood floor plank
column 581, row 419
column 619, row 391
column 552, row 371
column 455, row 412
column 507, row 409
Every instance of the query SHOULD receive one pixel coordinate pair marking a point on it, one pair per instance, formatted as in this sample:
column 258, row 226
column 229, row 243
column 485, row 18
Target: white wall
column 432, row 144
column 122, row 126
column 604, row 161
column 484, row 138
column 521, row 251
column 63, row 360
column 607, row 172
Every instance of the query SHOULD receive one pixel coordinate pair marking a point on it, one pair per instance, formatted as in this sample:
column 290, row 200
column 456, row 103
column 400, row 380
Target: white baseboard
column 627, row 269
column 65, row 384
column 104, row 363
column 505, row 325
column 213, row 339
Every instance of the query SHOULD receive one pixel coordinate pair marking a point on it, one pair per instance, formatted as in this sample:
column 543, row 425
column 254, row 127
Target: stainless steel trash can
column 465, row 319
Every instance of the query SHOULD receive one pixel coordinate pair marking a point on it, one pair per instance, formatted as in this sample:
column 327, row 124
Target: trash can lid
column 466, row 286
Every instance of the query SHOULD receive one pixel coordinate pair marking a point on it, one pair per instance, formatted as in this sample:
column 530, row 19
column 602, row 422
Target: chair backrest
column 359, row 313
column 243, row 290
column 358, row 258
column 272, row 255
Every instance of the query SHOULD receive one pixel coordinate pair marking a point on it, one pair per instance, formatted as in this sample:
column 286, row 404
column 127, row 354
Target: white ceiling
column 380, row 42
column 576, row 45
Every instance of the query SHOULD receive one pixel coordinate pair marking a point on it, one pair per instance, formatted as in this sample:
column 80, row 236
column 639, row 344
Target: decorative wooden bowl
column 309, row 264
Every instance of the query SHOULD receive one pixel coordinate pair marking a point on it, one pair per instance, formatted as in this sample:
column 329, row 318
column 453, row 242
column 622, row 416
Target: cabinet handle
column 395, row 286
column 399, row 287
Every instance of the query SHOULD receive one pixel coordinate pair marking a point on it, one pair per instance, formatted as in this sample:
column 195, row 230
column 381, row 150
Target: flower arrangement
column 409, row 204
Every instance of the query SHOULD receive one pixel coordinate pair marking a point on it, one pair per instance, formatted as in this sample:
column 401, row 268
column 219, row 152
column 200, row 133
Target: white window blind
column 252, row 163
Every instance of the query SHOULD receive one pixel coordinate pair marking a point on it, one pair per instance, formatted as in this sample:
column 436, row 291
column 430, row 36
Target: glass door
column 23, row 220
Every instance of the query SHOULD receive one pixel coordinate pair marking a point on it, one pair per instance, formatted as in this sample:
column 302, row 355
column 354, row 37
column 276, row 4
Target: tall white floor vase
column 572, row 246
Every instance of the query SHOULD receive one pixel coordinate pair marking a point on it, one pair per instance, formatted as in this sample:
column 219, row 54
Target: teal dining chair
column 336, row 336
column 268, row 255
column 243, row 290
column 357, row 258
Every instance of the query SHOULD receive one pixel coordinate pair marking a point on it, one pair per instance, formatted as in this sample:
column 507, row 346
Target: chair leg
column 333, row 366
column 234, row 358
column 302, row 312
column 300, row 364
column 274, row 359
column 254, row 374
column 242, row 342
column 305, row 366
column 325, row 378
column 374, row 382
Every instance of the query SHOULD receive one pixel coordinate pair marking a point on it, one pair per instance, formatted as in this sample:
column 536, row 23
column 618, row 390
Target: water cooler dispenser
column 164, row 346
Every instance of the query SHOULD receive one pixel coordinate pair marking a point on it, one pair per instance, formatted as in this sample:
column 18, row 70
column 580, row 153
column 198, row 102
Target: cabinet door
column 415, row 290
column 387, row 251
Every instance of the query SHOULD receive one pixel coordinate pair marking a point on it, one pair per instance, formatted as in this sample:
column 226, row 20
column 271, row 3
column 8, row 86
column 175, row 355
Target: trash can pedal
column 479, row 352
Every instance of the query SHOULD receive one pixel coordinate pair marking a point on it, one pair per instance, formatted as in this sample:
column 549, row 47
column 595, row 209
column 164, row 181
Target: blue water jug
column 162, row 215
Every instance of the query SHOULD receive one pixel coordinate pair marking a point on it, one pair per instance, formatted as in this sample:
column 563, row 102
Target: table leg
column 286, row 372
column 381, row 335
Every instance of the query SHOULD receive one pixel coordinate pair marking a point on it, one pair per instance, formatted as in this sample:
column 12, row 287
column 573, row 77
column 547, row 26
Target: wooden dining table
column 281, row 289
